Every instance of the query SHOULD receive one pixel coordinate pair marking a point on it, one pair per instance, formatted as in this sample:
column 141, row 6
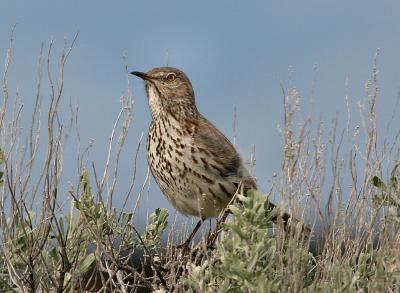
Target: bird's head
column 168, row 89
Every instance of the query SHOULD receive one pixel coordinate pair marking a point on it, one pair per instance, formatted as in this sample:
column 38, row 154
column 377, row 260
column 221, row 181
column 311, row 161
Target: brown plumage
column 195, row 165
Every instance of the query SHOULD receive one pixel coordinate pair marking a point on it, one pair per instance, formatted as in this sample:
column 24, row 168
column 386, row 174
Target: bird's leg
column 212, row 237
column 185, row 245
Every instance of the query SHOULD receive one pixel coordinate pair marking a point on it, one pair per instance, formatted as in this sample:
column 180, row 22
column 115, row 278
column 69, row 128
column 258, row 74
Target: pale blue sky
column 235, row 52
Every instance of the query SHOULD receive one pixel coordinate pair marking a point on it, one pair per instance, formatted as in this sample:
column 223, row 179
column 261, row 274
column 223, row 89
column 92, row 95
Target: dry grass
column 50, row 244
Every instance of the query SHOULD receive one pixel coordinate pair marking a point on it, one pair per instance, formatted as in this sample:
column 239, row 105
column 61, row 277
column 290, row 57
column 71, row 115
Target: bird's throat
column 176, row 108
column 155, row 101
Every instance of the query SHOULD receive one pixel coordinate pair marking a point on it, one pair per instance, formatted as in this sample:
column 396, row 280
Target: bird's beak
column 142, row 75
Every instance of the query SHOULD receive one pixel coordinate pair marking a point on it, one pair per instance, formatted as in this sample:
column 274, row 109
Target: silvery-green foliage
column 247, row 257
column 157, row 224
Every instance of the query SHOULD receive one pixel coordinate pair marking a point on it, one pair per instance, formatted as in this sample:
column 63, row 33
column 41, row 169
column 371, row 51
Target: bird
column 196, row 167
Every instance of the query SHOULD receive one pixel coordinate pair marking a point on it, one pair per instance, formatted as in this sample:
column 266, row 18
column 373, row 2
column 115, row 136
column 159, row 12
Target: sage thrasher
column 194, row 164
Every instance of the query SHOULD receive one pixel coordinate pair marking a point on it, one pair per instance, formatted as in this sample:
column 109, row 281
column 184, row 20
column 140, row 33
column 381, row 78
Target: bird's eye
column 171, row 76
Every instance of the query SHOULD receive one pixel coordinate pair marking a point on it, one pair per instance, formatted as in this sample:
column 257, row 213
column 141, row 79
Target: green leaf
column 385, row 200
column 54, row 254
column 125, row 218
column 394, row 183
column 87, row 264
column 234, row 210
column 377, row 182
column 157, row 224
column 85, row 183
column 1, row 156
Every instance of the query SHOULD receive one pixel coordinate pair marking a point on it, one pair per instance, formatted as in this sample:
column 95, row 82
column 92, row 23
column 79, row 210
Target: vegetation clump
column 57, row 239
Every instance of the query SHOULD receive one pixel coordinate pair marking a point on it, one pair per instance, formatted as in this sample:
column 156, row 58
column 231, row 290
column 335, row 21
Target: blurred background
column 238, row 55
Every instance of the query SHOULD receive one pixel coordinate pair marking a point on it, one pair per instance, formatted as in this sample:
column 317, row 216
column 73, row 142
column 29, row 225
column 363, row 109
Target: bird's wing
column 219, row 155
column 223, row 158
